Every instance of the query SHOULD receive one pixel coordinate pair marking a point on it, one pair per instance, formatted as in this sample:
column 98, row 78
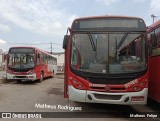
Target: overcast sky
column 40, row 22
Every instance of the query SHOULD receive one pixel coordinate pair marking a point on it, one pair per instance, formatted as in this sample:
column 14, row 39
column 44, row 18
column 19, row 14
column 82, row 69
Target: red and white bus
column 29, row 63
column 154, row 61
column 106, row 60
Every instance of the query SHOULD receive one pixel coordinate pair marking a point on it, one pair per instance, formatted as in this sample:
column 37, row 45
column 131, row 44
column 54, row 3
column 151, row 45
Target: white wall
column 60, row 59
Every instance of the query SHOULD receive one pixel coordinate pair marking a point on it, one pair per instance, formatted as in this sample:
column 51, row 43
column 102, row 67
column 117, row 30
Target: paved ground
column 2, row 74
column 31, row 97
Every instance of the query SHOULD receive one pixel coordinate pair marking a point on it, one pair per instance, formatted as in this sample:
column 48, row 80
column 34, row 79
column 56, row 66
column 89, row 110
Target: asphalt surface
column 47, row 96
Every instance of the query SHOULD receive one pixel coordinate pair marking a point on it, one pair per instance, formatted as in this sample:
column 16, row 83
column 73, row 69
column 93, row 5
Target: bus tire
column 41, row 77
column 53, row 74
column 19, row 81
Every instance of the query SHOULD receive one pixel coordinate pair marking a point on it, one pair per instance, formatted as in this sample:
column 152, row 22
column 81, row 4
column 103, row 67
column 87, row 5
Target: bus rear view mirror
column 65, row 41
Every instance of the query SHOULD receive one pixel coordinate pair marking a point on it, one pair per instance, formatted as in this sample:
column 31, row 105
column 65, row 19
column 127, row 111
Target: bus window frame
column 153, row 40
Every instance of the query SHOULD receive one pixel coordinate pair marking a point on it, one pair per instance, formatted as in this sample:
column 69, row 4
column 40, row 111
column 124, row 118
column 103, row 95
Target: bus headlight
column 140, row 86
column 31, row 72
column 74, row 82
column 141, row 83
column 136, row 88
column 77, row 84
column 9, row 72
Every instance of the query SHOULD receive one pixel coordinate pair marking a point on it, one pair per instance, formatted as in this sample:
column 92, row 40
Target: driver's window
column 74, row 57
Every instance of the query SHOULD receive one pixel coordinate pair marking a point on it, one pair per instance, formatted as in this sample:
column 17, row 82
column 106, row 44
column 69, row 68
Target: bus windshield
column 110, row 53
column 21, row 59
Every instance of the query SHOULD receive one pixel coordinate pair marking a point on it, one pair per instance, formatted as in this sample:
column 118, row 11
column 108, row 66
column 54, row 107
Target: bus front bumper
column 127, row 98
column 21, row 77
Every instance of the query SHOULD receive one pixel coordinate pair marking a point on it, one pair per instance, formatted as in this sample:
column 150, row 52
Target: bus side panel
column 154, row 78
column 38, row 72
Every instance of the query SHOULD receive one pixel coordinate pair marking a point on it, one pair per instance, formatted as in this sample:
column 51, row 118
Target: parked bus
column 154, row 61
column 106, row 60
column 30, row 63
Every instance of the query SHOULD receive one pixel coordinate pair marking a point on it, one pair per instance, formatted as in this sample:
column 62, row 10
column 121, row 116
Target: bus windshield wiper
column 122, row 40
column 92, row 42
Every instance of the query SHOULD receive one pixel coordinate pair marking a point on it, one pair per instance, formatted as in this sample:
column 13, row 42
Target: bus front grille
column 108, row 97
column 20, row 77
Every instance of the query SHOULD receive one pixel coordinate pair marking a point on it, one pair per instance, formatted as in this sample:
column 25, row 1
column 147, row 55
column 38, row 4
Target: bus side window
column 150, row 47
column 153, row 39
column 38, row 58
column 158, row 35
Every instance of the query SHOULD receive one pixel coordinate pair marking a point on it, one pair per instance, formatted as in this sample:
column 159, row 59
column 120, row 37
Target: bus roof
column 45, row 52
column 109, row 23
column 92, row 17
column 153, row 26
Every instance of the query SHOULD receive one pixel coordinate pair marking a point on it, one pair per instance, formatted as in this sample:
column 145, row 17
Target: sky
column 39, row 23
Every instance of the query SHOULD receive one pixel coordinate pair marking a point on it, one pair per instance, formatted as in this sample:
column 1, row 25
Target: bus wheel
column 53, row 74
column 19, row 81
column 42, row 77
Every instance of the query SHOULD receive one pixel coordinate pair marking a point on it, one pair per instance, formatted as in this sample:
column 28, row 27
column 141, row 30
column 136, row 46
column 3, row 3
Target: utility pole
column 51, row 47
column 153, row 16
